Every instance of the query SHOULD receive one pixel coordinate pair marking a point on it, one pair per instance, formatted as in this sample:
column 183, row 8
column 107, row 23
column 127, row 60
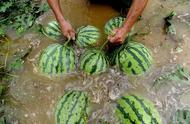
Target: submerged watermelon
column 132, row 109
column 135, row 59
column 72, row 108
column 112, row 24
column 93, row 62
column 87, row 36
column 57, row 59
column 52, row 30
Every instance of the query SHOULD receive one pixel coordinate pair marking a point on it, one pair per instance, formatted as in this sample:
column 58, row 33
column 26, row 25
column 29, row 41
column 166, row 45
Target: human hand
column 118, row 35
column 67, row 30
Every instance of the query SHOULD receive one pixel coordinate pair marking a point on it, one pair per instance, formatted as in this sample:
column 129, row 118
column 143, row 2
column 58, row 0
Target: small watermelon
column 87, row 36
column 72, row 108
column 112, row 24
column 57, row 59
column 93, row 62
column 132, row 109
column 134, row 59
column 52, row 30
column 180, row 117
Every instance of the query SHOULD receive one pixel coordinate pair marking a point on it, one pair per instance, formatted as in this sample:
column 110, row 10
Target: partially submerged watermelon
column 133, row 109
column 52, row 30
column 87, row 36
column 73, row 108
column 57, row 59
column 93, row 62
column 112, row 24
column 134, row 59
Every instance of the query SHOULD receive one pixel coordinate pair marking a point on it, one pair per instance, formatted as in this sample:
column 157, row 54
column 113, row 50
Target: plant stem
column 68, row 40
column 104, row 44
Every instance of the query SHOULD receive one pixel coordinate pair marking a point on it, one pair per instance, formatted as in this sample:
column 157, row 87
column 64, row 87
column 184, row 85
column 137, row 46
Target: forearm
column 135, row 11
column 54, row 4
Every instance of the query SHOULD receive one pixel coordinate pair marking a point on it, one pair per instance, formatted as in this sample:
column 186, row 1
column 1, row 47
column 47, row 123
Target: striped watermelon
column 134, row 59
column 132, row 109
column 52, row 31
column 87, row 36
column 57, row 59
column 72, row 108
column 93, row 62
column 113, row 23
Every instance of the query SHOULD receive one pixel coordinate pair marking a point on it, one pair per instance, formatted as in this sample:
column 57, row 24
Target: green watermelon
column 87, row 36
column 112, row 24
column 57, row 59
column 181, row 117
column 52, row 30
column 93, row 62
column 132, row 109
column 134, row 59
column 72, row 108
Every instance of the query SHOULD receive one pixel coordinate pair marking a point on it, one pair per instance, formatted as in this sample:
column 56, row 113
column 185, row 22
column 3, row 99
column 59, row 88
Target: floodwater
column 34, row 96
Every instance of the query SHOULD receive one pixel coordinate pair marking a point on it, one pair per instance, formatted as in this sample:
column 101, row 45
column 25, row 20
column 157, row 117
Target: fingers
column 70, row 34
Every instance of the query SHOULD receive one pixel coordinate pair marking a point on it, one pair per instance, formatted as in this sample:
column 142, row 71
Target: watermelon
column 72, row 108
column 93, row 62
column 132, row 109
column 57, row 59
column 52, row 30
column 181, row 117
column 112, row 24
column 134, row 59
column 87, row 36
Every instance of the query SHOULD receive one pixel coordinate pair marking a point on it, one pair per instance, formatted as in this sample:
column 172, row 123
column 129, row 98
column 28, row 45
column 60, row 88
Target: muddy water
column 34, row 96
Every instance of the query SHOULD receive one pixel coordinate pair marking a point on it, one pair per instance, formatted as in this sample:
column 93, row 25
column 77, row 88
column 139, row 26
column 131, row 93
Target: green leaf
column 170, row 28
column 5, row 5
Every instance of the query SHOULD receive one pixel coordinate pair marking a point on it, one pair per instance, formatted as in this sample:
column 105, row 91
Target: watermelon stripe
column 124, row 59
column 54, row 27
column 94, row 67
column 147, row 110
column 125, row 114
column 133, row 71
column 89, row 38
column 49, row 56
column 142, row 54
column 85, row 40
column 131, row 104
column 62, row 104
column 137, row 59
column 60, row 62
column 84, row 110
column 87, row 60
column 103, row 65
column 70, row 114
column 81, row 42
column 52, row 65
column 120, row 64
column 72, row 59
column 89, row 30
column 147, row 53
column 129, row 64
column 68, row 60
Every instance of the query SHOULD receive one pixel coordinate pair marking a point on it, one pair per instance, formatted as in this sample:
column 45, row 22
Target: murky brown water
column 36, row 95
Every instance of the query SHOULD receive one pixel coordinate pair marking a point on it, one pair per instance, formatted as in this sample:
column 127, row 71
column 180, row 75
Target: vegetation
column 19, row 15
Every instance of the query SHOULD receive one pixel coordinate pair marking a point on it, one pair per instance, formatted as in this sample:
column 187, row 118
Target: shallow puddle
column 34, row 96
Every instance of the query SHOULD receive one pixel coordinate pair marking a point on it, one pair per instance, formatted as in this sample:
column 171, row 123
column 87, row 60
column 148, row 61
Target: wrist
column 125, row 29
